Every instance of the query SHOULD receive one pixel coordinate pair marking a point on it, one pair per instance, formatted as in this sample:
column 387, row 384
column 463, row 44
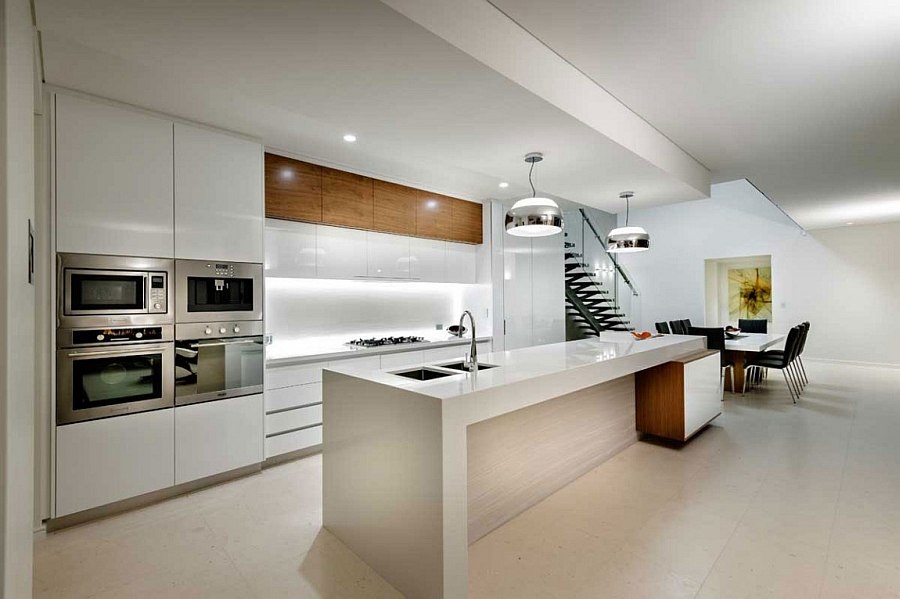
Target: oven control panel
column 158, row 293
column 223, row 270
column 114, row 336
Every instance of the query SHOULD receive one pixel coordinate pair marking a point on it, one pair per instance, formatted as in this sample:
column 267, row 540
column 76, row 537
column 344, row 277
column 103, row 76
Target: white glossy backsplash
column 321, row 313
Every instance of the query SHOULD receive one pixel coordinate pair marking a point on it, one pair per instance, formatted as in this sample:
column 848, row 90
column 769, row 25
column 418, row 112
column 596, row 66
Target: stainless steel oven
column 113, row 371
column 210, row 291
column 217, row 360
column 99, row 291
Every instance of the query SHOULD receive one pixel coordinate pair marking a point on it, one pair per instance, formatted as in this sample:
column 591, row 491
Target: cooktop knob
column 138, row 335
column 208, row 331
column 100, row 337
column 157, row 306
column 237, row 329
column 222, row 330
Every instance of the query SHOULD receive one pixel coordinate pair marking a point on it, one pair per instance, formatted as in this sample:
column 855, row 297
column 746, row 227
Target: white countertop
column 324, row 349
column 584, row 363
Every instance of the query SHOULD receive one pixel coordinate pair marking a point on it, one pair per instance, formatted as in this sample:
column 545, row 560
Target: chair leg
column 797, row 378
column 803, row 368
column 788, row 383
column 790, row 373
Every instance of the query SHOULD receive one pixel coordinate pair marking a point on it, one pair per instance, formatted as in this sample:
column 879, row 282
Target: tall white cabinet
column 114, row 180
column 218, row 196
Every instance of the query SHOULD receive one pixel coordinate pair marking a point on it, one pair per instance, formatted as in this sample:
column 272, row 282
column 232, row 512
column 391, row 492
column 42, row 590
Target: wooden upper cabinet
column 347, row 199
column 465, row 221
column 433, row 215
column 293, row 189
column 395, row 208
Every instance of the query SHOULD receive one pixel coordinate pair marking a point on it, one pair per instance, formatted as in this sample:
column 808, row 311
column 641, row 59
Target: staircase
column 591, row 307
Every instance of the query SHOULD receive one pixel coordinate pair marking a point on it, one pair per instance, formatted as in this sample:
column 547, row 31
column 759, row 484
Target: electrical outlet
column 438, row 327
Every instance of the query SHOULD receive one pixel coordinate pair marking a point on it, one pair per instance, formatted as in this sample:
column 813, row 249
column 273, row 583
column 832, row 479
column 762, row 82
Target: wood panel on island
column 304, row 192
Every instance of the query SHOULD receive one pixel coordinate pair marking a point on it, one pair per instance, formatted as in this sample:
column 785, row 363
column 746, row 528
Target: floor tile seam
column 837, row 503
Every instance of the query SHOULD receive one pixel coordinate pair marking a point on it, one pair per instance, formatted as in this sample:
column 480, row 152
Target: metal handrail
column 612, row 257
column 585, row 311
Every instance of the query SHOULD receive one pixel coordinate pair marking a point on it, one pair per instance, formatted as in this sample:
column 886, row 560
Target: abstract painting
column 750, row 293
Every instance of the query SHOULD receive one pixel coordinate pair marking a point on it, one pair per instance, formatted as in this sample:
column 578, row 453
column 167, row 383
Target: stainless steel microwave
column 211, row 291
column 97, row 291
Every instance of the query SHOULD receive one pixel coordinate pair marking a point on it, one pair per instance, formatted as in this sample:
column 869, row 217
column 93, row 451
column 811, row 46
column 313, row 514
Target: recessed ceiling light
column 350, row 138
column 850, row 223
column 504, row 184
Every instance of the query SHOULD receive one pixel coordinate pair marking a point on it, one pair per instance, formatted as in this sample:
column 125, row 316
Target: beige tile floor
column 774, row 500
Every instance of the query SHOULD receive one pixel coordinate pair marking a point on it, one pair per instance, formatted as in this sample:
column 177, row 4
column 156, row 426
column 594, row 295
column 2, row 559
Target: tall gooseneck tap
column 471, row 363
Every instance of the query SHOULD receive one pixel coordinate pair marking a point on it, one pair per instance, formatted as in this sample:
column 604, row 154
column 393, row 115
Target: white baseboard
column 853, row 363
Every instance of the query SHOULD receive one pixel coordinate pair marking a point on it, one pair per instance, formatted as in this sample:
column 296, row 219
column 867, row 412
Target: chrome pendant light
column 534, row 216
column 622, row 240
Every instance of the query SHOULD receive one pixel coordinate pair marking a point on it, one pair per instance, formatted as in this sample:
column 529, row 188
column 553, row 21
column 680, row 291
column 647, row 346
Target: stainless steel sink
column 461, row 366
column 423, row 374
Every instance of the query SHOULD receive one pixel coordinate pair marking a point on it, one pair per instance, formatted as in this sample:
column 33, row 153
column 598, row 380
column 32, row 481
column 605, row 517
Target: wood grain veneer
column 433, row 215
column 465, row 221
column 347, row 199
column 395, row 208
column 518, row 459
column 293, row 189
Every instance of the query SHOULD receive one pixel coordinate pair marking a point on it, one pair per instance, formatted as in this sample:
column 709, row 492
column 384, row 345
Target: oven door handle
column 219, row 343
column 111, row 352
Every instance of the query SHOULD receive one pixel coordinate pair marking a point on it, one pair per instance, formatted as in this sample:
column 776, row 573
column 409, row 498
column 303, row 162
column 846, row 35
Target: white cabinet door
column 402, row 359
column 341, row 253
column 218, row 436
column 517, row 289
column 387, row 255
column 218, row 196
column 548, row 291
column 428, row 260
column 290, row 249
column 114, row 191
column 108, row 460
column 293, row 397
column 461, row 262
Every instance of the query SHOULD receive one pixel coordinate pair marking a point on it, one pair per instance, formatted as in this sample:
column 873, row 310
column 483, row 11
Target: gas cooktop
column 385, row 341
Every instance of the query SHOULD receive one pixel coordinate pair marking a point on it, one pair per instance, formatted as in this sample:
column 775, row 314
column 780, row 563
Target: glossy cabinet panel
column 103, row 461
column 218, row 436
column 428, row 260
column 433, row 215
column 114, row 180
column 293, row 189
column 395, row 208
column 461, row 262
column 290, row 249
column 218, row 196
column 387, row 256
column 341, row 253
column 466, row 221
column 347, row 199
column 298, row 396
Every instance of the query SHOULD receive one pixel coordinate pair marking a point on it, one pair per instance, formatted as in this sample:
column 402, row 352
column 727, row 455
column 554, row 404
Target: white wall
column 16, row 298
column 845, row 281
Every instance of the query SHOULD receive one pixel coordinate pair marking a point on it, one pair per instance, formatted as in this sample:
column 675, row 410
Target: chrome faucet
column 471, row 363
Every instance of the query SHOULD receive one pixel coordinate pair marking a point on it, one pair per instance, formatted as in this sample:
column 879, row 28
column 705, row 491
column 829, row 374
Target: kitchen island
column 416, row 470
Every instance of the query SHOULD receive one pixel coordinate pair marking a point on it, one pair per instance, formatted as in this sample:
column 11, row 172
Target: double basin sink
column 438, row 371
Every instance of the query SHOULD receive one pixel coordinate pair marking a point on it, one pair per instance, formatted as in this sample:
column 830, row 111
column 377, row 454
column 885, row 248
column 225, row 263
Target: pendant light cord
column 626, row 210
column 533, row 192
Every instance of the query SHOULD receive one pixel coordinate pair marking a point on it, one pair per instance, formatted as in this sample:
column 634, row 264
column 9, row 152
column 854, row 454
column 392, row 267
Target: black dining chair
column 677, row 328
column 798, row 369
column 782, row 360
column 663, row 328
column 715, row 339
column 753, row 325
column 686, row 325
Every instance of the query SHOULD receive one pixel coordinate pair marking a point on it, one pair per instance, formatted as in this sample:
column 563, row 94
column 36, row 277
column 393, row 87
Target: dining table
column 738, row 351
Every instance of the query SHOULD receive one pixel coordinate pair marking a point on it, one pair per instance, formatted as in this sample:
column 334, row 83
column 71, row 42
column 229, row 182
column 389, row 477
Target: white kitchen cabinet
column 218, row 196
column 103, row 461
column 387, row 255
column 517, row 291
column 548, row 290
column 461, row 262
column 428, row 260
column 362, row 363
column 293, row 374
column 293, row 397
column 114, row 180
column 341, row 253
column 290, row 420
column 294, row 441
column 402, row 359
column 290, row 249
column 218, row 436
column 444, row 354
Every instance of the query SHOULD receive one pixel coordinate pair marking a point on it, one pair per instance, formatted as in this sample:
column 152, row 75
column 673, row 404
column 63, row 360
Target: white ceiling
column 801, row 97
column 300, row 74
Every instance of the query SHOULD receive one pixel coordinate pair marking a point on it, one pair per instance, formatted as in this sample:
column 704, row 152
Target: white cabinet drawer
column 288, row 442
column 484, row 347
column 218, row 436
column 367, row 363
column 288, row 376
column 103, row 461
column 293, row 397
column 293, row 419
column 399, row 360
column 447, row 353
